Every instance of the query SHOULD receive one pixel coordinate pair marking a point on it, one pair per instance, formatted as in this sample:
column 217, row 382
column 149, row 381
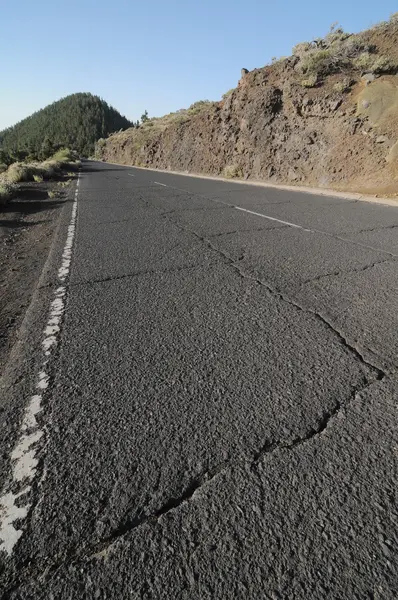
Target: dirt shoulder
column 27, row 226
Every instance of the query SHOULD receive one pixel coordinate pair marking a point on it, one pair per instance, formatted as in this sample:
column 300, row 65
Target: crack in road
column 142, row 273
column 247, row 230
column 100, row 550
column 348, row 271
column 129, row 524
column 284, row 298
column 382, row 227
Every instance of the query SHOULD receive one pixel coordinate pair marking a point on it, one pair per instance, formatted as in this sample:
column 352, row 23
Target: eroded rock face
column 271, row 127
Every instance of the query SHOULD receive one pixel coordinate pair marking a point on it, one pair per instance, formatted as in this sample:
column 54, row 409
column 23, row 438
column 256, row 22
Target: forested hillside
column 76, row 122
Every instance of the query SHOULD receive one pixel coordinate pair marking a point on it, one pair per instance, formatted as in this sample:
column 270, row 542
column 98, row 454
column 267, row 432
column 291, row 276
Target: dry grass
column 19, row 172
column 341, row 52
column 232, row 171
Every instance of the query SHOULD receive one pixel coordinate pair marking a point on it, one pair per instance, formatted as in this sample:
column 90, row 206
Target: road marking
column 288, row 223
column 24, row 461
column 319, row 231
column 272, row 218
column 131, row 175
column 158, row 183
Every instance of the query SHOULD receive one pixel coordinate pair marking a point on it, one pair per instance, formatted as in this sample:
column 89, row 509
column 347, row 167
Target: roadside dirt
column 27, row 226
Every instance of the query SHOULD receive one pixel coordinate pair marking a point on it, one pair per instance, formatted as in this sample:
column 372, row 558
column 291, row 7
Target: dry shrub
column 232, row 171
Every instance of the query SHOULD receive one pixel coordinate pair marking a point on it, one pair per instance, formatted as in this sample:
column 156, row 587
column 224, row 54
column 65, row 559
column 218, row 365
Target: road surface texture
column 218, row 413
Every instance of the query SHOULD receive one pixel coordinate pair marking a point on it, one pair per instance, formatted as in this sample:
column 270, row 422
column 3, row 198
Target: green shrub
column 383, row 64
column 373, row 63
column 6, row 158
column 335, row 53
column 3, row 167
column 199, row 105
column 317, row 62
column 342, row 86
column 63, row 155
column 65, row 183
column 7, row 192
column 232, row 171
column 38, row 178
column 301, row 48
column 311, row 81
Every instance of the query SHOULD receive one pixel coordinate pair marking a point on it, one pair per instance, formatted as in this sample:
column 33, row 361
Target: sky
column 154, row 55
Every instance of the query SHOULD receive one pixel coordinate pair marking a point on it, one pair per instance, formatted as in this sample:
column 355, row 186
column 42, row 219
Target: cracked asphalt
column 222, row 416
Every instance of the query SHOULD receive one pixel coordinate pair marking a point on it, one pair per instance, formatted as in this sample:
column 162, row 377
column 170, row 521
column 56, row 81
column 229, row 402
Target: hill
column 75, row 121
column 327, row 116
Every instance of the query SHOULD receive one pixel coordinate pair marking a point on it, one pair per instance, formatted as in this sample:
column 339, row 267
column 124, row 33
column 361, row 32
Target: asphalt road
column 220, row 418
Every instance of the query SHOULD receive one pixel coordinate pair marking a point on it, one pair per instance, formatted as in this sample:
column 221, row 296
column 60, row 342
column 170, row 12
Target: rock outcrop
column 340, row 132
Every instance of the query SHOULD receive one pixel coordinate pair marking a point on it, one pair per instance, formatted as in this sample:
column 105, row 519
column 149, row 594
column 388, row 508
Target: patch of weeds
column 64, row 184
column 7, row 192
column 18, row 172
column 232, row 171
column 52, row 194
column 373, row 63
column 38, row 178
column 311, row 81
column 342, row 86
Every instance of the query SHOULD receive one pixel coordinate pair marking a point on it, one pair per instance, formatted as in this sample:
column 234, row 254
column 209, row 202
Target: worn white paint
column 10, row 512
column 24, row 457
column 33, row 408
column 251, row 212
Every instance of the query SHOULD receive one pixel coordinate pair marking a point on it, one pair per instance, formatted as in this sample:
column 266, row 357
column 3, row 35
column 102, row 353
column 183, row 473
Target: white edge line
column 24, row 459
column 158, row 183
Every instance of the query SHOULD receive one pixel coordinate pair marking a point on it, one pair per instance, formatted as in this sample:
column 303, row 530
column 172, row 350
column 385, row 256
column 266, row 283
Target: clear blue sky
column 156, row 55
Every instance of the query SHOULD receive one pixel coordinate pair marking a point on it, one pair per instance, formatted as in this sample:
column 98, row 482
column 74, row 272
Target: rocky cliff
column 327, row 116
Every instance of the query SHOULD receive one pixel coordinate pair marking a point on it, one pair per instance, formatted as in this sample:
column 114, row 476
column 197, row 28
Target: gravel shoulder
column 27, row 226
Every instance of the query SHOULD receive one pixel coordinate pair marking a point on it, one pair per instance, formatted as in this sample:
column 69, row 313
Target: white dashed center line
column 272, row 218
